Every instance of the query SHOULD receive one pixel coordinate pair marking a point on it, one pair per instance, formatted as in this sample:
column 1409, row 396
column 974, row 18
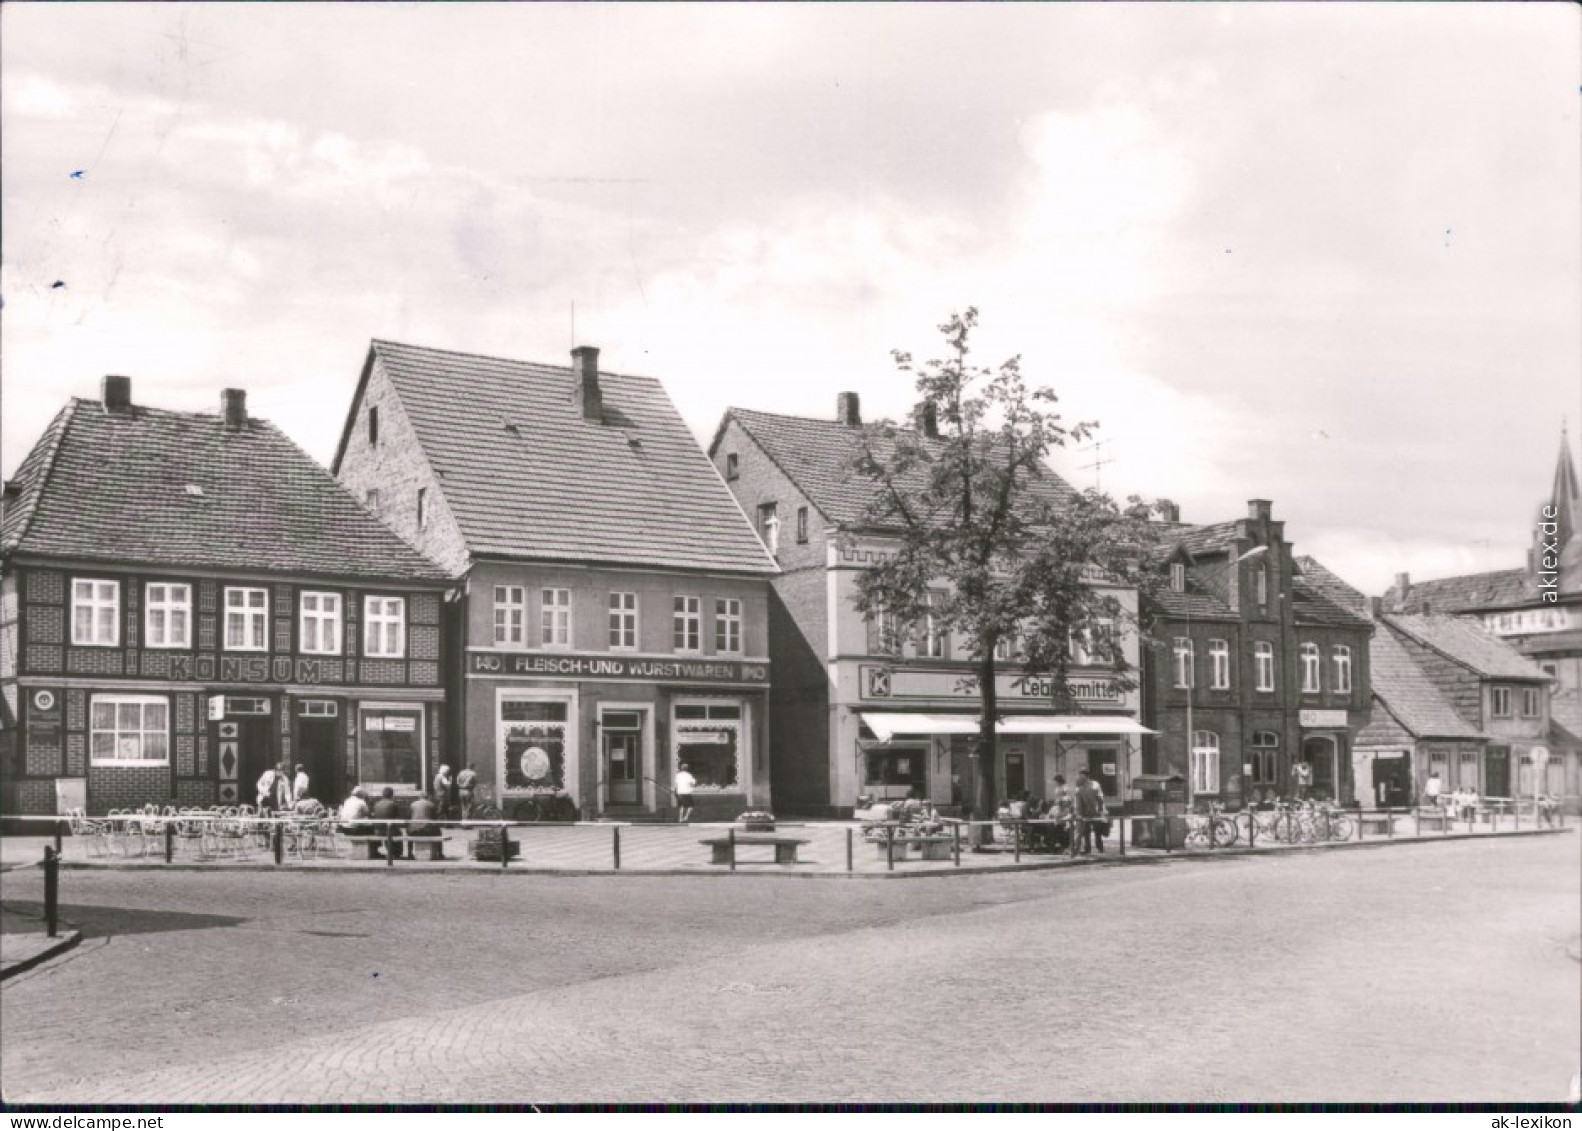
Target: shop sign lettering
column 246, row 669
column 933, row 683
column 569, row 666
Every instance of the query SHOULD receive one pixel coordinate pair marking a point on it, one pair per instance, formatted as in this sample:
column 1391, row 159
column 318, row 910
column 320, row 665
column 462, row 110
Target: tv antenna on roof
column 1099, row 460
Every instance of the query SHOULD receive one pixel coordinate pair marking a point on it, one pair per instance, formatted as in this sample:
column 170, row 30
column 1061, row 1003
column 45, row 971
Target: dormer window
column 732, row 466
column 1178, row 577
column 373, row 426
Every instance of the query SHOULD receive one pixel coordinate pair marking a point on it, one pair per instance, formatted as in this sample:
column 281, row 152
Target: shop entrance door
column 1498, row 772
column 254, row 749
column 622, row 760
column 318, row 749
column 1320, row 754
column 1104, row 768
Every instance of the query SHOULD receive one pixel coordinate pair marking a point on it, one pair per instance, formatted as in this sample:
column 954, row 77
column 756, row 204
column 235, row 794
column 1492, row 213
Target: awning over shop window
column 886, row 725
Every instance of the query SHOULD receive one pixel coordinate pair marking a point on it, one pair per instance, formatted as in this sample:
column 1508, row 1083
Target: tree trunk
column 983, row 794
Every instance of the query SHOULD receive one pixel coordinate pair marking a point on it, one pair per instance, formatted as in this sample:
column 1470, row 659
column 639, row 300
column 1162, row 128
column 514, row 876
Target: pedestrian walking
column 266, row 791
column 466, row 786
column 685, row 784
column 1432, row 788
column 300, row 785
column 443, row 783
column 284, row 801
column 1302, row 779
column 1091, row 813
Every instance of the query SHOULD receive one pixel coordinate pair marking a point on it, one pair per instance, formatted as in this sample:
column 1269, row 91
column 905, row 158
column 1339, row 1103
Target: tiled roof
column 1565, row 717
column 148, row 486
column 1195, row 602
column 527, row 476
column 1499, row 589
column 1409, row 695
column 1330, row 584
column 1382, row 728
column 818, row 456
column 1202, row 539
column 1469, row 644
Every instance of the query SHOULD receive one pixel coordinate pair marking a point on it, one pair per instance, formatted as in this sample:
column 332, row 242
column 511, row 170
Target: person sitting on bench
column 387, row 808
column 422, row 824
column 354, row 814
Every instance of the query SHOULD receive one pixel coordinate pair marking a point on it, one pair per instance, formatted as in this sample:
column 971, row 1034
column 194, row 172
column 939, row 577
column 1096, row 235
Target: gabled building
column 614, row 623
column 1258, row 669
column 1536, row 608
column 187, row 599
column 855, row 716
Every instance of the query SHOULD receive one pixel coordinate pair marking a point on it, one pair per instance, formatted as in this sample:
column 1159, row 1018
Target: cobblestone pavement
column 1418, row 973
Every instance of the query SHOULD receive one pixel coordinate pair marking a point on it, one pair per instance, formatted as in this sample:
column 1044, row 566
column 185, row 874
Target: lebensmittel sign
column 571, row 665
column 889, row 682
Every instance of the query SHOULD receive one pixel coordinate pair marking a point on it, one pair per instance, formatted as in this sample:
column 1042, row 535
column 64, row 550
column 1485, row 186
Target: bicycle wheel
column 487, row 812
column 526, row 810
column 1226, row 832
column 1197, row 832
column 1341, row 828
column 1284, row 828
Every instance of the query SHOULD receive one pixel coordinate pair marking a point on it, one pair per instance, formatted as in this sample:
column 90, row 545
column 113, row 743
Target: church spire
column 1565, row 495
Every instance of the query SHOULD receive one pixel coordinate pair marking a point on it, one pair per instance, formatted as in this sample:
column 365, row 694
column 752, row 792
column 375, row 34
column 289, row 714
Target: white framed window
column 687, row 624
column 1341, row 657
column 320, row 623
column 1005, row 647
column 372, row 499
column 1531, row 706
column 95, row 611
column 129, row 730
column 246, row 620
column 623, row 621
column 769, row 526
column 886, row 633
column 732, row 466
column 1501, row 697
column 1182, row 651
column 390, row 745
column 555, row 618
column 167, row 615
column 1309, row 669
column 1205, row 761
column 1263, row 662
column 384, row 626
column 1178, row 577
column 1219, row 664
column 510, row 614
column 1261, row 582
column 936, row 642
column 728, row 625
column 801, row 524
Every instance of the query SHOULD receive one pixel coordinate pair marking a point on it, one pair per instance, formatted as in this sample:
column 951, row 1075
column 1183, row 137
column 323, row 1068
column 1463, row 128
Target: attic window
column 194, row 490
column 1178, row 577
column 732, row 471
column 373, row 426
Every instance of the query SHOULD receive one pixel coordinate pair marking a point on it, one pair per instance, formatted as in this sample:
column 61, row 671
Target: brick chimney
column 848, row 409
column 116, row 393
column 1168, row 511
column 927, row 419
column 1375, row 607
column 1259, row 509
column 585, row 368
column 233, row 409
column 1403, row 582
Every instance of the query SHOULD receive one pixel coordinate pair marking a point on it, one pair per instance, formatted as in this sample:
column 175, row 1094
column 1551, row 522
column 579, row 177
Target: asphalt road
column 1433, row 972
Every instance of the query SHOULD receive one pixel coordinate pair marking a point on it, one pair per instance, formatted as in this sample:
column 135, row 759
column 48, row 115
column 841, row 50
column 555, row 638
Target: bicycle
column 1212, row 829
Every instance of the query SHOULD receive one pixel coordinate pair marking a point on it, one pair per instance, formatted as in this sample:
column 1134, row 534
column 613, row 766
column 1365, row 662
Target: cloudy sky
column 1324, row 254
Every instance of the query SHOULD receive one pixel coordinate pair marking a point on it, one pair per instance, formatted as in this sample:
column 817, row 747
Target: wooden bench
column 435, row 845
column 785, row 847
column 928, row 846
column 1376, row 824
column 1441, row 817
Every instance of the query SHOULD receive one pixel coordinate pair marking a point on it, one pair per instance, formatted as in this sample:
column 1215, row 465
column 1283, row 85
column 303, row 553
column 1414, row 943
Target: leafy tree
column 987, row 542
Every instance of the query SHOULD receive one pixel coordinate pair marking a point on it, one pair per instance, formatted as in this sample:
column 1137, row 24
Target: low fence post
column 277, row 838
column 1120, row 825
column 60, row 827
column 1362, row 821
column 616, row 842
column 51, row 891
column 955, row 844
column 170, row 841
column 1516, row 810
column 389, row 846
column 889, row 848
column 1417, row 821
column 1252, row 827
column 731, row 843
column 1016, row 841
column 849, row 861
column 1165, row 833
column 505, row 845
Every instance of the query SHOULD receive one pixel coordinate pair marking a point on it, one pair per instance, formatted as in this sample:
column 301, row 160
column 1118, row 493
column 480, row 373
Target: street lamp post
column 1191, row 689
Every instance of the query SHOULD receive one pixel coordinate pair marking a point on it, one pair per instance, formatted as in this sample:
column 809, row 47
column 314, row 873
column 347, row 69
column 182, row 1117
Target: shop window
column 167, row 615
column 623, row 621
column 728, row 625
column 246, row 620
column 1182, row 651
column 1219, row 664
column 1263, row 659
column 1342, row 660
column 129, row 730
column 687, row 625
column 906, row 769
column 384, row 626
column 1502, row 702
column 95, row 611
column 1262, row 758
column 1310, row 669
column 533, row 736
column 320, row 629
column 1205, row 761
column 556, row 616
column 390, row 745
column 708, row 741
